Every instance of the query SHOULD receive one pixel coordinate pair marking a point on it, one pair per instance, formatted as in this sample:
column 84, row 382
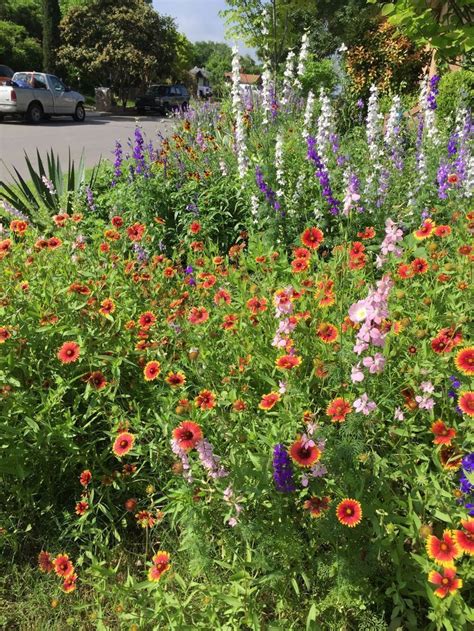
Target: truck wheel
column 80, row 114
column 34, row 113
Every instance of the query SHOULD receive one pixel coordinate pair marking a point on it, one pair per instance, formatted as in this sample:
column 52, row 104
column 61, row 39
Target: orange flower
column 161, row 564
column 312, row 238
column 287, row 362
column 464, row 360
column 349, row 512
column 442, row 231
column 419, row 266
column 327, row 333
column 69, row 352
column 63, row 566
column 443, row 434
column 466, row 402
column 123, row 444
column 152, row 370
column 444, row 550
column 96, row 380
column 147, row 320
column 107, row 306
column 299, row 265
column 4, row 334
column 206, row 400
column 82, row 508
column 304, row 452
column 426, row 230
column 176, row 379
column 85, row 478
column 316, row 505
column 338, row 409
column 69, row 584
column 448, row 583
column 465, row 540
column 268, row 401
column 187, row 435
column 257, row 305
column 198, row 315
column 135, row 232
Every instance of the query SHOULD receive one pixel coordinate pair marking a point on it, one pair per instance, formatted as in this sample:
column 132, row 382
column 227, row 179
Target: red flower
column 327, row 333
column 304, row 452
column 312, row 238
column 161, row 564
column 69, row 584
column 222, row 296
column 117, row 221
column 368, row 233
column 299, row 265
column 316, row 505
column 45, row 562
column 450, row 458
column 176, row 379
column 187, row 435
column 195, row 227
column 443, row 434
column 130, row 504
column 53, row 243
column 419, row 266
column 107, row 306
column 444, row 550
column 145, row 519
column 448, row 583
column 152, row 370
column 69, row 352
column 464, row 360
column 425, row 231
column 453, row 178
column 147, row 320
column 338, row 409
column 85, row 478
column 301, row 253
column 466, row 402
column 465, row 540
column 123, row 444
column 268, row 401
column 82, row 508
column 257, row 305
column 442, row 231
column 96, row 380
column 349, row 512
column 63, row 566
column 287, row 362
column 135, row 232
column 198, row 315
column 4, row 334
column 229, row 322
column 206, row 400
column 405, row 271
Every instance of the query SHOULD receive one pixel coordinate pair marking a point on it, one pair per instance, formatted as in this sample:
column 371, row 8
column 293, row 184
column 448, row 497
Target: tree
column 446, row 27
column 119, row 43
column 17, row 49
column 51, row 19
column 328, row 22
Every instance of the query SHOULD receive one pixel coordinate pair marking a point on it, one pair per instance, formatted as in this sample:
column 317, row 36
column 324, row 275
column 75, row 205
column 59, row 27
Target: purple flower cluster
column 282, row 470
column 90, row 199
column 270, row 195
column 118, row 153
column 323, row 176
column 209, row 461
column 139, row 153
column 433, row 92
column 465, row 482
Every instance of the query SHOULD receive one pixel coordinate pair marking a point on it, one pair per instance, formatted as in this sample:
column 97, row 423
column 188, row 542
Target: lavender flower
column 138, row 152
column 270, row 195
column 49, row 185
column 209, row 461
column 118, row 153
column 282, row 470
column 323, row 176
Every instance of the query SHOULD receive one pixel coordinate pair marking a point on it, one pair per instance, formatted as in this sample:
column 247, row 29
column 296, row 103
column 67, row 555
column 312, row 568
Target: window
column 39, row 82
column 56, row 84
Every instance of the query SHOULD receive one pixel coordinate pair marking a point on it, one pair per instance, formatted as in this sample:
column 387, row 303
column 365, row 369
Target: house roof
column 245, row 79
column 201, row 71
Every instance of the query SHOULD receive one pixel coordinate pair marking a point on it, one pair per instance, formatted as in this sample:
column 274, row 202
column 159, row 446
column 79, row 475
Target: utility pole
column 51, row 19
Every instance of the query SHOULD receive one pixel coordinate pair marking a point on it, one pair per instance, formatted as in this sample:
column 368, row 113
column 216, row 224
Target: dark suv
column 163, row 98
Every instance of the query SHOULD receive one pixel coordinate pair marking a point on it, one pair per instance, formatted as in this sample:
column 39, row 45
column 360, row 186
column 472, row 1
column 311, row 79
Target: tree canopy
column 120, row 43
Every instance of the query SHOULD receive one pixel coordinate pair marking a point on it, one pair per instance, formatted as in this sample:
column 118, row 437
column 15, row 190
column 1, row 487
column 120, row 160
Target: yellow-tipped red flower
column 447, row 582
column 161, row 564
column 465, row 538
column 123, row 444
column 444, row 550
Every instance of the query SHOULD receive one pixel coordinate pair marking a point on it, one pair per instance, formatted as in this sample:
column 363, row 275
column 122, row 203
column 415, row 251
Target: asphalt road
column 95, row 137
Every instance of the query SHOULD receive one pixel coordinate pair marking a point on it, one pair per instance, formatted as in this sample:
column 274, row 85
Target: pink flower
column 375, row 364
column 364, row 405
column 398, row 414
column 427, row 387
column 356, row 374
column 425, row 403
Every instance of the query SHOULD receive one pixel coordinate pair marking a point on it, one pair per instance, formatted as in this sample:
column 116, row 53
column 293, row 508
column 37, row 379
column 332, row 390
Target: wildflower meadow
column 236, row 372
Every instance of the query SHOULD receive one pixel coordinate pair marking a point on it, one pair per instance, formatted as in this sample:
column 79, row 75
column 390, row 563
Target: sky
column 198, row 19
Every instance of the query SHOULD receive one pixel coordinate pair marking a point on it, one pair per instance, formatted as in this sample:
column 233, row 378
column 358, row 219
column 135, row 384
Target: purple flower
column 433, row 93
column 282, row 470
column 468, row 462
column 323, row 176
column 209, row 461
column 270, row 195
column 364, row 405
column 118, row 153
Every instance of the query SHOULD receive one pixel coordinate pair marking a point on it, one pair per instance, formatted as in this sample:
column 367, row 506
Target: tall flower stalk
column 240, row 147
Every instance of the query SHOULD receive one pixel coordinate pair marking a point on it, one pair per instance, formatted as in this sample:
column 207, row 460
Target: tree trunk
column 51, row 19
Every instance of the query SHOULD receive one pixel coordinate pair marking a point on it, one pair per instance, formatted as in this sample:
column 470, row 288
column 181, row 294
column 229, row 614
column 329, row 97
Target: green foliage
column 319, row 74
column 447, row 27
column 455, row 88
column 51, row 18
column 17, row 49
column 36, row 199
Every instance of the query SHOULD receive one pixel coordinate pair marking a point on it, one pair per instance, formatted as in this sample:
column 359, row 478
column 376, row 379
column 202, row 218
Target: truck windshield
column 157, row 90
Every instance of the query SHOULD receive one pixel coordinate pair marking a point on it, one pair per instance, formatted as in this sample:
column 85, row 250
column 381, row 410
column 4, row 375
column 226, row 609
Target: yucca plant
column 49, row 188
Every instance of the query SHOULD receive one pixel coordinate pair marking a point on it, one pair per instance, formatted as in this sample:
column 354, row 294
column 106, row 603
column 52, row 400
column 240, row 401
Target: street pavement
column 95, row 137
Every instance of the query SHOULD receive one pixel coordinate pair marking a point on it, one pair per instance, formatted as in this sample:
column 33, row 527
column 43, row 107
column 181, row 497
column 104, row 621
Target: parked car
column 6, row 74
column 36, row 95
column 163, row 98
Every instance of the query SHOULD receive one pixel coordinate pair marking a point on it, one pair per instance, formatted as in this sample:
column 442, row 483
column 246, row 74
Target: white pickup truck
column 35, row 96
